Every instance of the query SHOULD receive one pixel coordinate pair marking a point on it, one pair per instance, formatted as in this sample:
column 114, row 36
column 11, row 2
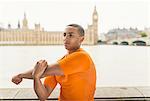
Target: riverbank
column 101, row 94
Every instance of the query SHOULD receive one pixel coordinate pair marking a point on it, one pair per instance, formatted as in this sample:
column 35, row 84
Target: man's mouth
column 66, row 43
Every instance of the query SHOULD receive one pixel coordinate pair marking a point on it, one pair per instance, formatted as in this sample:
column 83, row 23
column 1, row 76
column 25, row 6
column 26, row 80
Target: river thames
column 115, row 65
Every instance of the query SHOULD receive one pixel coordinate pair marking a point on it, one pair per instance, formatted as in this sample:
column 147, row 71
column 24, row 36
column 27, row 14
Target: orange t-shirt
column 79, row 80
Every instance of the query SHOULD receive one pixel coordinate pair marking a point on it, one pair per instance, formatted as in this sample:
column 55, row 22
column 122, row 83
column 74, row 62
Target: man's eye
column 70, row 35
column 64, row 34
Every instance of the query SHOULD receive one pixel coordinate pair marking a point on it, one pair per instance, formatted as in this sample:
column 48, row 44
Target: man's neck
column 73, row 50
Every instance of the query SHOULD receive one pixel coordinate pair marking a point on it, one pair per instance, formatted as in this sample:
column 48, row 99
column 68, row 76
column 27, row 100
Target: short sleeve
column 50, row 81
column 74, row 63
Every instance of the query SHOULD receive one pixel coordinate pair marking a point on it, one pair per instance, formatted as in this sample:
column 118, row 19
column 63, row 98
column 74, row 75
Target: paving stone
column 144, row 90
column 8, row 93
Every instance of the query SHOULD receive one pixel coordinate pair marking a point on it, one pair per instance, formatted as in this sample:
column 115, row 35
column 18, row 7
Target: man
column 75, row 72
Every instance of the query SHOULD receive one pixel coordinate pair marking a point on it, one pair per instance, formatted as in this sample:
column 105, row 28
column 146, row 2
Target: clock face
column 95, row 17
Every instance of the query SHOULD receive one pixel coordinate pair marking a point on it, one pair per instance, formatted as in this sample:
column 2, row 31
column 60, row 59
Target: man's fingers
column 45, row 64
column 15, row 81
column 41, row 61
column 12, row 80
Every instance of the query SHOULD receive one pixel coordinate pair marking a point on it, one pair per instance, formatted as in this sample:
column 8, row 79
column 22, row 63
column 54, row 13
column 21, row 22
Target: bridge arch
column 115, row 43
column 139, row 43
column 124, row 43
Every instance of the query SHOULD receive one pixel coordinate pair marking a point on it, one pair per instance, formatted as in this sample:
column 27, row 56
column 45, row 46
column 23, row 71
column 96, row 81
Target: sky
column 54, row 15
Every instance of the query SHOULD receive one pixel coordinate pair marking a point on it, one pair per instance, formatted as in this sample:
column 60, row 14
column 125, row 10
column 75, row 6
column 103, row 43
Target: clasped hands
column 39, row 69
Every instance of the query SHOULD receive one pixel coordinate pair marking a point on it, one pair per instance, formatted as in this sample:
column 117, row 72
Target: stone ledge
column 101, row 94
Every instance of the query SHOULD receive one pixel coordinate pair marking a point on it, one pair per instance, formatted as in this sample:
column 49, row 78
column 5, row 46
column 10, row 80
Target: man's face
column 72, row 38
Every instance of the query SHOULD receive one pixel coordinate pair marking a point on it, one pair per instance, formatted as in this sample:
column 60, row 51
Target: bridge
column 132, row 41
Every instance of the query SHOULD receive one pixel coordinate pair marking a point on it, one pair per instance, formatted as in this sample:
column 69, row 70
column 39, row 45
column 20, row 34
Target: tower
column 18, row 24
column 25, row 22
column 95, row 25
column 9, row 26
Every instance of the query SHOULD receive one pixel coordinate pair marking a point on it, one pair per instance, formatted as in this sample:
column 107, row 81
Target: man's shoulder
column 81, row 53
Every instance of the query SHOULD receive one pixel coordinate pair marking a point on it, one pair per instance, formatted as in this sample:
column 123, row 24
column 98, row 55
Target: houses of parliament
column 37, row 36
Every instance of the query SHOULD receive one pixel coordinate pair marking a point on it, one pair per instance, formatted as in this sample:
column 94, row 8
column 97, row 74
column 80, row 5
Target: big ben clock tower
column 95, row 26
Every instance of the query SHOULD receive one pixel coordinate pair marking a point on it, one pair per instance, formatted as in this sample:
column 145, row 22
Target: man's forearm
column 40, row 90
column 27, row 74
column 50, row 70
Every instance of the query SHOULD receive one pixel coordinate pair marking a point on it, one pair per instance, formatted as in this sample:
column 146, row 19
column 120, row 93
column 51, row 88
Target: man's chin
column 66, row 47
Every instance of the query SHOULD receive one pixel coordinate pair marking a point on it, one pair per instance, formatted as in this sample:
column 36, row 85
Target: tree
column 143, row 34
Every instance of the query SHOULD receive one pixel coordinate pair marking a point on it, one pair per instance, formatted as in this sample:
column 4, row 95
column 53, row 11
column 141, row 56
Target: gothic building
column 25, row 36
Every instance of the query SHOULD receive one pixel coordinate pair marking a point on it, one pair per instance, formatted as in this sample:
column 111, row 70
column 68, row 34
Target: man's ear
column 82, row 38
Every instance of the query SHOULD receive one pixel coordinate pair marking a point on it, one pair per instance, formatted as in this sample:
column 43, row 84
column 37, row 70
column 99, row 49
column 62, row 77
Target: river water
column 115, row 65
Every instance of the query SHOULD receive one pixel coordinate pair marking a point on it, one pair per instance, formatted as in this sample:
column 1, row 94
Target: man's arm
column 27, row 74
column 18, row 78
column 43, row 91
column 53, row 69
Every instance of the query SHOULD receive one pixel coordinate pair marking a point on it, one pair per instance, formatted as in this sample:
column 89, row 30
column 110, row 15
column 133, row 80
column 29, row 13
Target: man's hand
column 39, row 69
column 17, row 79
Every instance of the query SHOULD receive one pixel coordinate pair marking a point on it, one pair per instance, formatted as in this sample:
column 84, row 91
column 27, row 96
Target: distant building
column 116, row 34
column 126, row 37
column 25, row 36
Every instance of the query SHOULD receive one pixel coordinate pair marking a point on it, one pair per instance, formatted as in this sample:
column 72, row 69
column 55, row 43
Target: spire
column 95, row 8
column 37, row 27
column 24, row 15
column 25, row 22
column 95, row 11
column 9, row 26
column 18, row 24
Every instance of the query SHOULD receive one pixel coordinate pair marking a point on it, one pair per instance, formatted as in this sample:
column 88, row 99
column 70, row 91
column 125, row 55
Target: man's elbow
column 43, row 98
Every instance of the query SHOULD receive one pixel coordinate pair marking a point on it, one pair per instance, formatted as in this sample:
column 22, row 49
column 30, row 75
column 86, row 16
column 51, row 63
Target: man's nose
column 66, row 38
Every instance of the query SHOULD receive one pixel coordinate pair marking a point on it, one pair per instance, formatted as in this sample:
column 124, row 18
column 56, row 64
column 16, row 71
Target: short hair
column 80, row 28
